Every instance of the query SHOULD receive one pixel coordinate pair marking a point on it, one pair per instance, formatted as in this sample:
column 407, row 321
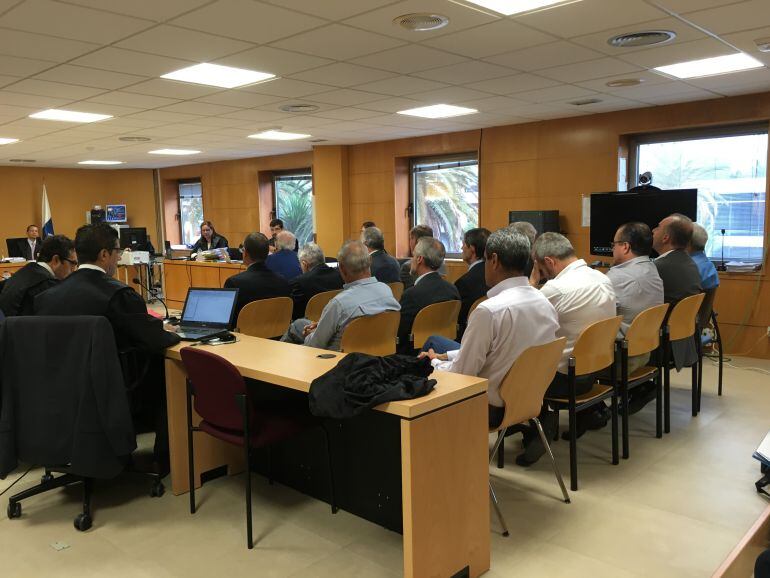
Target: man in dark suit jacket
column 405, row 274
column 472, row 285
column 30, row 247
column 257, row 281
column 316, row 277
column 56, row 261
column 284, row 260
column 676, row 268
column 428, row 288
column 384, row 267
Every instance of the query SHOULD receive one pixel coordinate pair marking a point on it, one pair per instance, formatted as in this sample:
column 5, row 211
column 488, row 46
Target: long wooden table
column 179, row 276
column 10, row 268
column 125, row 273
column 443, row 451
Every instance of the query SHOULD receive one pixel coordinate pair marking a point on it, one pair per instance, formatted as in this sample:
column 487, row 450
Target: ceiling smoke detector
column 134, row 138
column 299, row 108
column 644, row 38
column 421, row 21
column 585, row 101
column 622, row 82
column 763, row 44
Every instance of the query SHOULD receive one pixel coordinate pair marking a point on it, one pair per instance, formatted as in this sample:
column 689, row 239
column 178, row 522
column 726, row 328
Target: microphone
column 154, row 296
column 722, row 266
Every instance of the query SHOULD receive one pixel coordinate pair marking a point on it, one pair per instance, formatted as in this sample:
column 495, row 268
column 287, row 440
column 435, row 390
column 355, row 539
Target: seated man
column 405, row 274
column 384, row 267
column 514, row 318
column 276, row 226
column 257, row 281
column 361, row 295
column 316, row 277
column 581, row 296
column 56, row 260
column 428, row 288
column 284, row 260
column 528, row 230
column 472, row 286
column 29, row 247
column 708, row 273
column 676, row 268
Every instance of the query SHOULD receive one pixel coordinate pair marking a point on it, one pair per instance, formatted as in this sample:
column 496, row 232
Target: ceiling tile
column 342, row 74
column 89, row 77
column 410, row 58
column 239, row 98
column 448, row 95
column 746, row 41
column 19, row 99
column 647, row 78
column 68, row 21
column 331, row 9
column 338, row 42
column 674, row 53
column 273, row 60
column 113, row 109
column 247, row 20
column 182, row 43
column 346, row 97
column 348, row 113
column 381, row 21
column 684, row 96
column 6, row 80
column 493, row 103
column 38, row 46
column 136, row 100
column 392, row 105
column 162, row 116
column 545, row 56
column 683, row 6
column 733, row 18
column 131, row 62
column 555, row 93
column 171, row 89
column 465, row 72
column 201, row 108
column 514, row 83
column 14, row 66
column 286, row 87
column 736, row 83
column 400, row 85
column 54, row 89
column 149, row 9
column 588, row 70
column 254, row 115
column 489, row 39
column 587, row 16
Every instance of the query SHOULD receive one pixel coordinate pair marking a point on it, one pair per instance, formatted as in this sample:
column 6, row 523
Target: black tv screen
column 610, row 210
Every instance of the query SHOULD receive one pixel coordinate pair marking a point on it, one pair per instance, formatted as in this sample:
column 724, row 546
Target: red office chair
column 219, row 394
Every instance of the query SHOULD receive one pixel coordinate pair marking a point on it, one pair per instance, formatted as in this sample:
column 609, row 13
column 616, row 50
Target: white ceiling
column 345, row 56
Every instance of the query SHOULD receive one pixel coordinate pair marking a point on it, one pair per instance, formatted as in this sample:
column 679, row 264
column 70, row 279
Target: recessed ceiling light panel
column 279, row 135
column 438, row 111
column 643, row 38
column 711, row 66
column 509, row 7
column 217, row 75
column 5, row 141
column 176, row 152
column 421, row 21
column 100, row 163
column 69, row 115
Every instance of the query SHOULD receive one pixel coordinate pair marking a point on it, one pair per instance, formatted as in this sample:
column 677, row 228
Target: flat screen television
column 610, row 210
column 115, row 214
column 134, row 238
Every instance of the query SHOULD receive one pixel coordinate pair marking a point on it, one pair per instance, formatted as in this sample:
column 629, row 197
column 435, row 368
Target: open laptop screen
column 209, row 307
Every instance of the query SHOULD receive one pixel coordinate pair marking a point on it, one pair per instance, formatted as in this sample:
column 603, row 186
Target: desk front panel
column 179, row 276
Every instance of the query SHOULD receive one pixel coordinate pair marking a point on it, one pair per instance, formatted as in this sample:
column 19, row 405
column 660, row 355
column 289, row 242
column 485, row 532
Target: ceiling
column 346, row 57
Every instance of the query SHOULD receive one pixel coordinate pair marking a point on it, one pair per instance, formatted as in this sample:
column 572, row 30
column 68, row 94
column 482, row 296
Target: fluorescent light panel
column 5, row 141
column 711, row 66
column 100, row 163
column 438, row 111
column 217, row 75
column 69, row 115
column 278, row 135
column 509, row 7
column 177, row 152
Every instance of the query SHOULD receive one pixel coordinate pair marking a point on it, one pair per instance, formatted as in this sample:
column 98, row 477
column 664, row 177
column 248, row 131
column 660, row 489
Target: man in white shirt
column 513, row 318
column 581, row 296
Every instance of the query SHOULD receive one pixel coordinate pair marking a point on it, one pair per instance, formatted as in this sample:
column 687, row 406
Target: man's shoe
column 640, row 398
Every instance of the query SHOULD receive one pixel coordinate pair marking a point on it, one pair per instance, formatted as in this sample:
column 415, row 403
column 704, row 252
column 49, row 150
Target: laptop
column 207, row 313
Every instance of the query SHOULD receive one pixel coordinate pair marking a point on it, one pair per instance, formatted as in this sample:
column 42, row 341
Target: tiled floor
column 676, row 508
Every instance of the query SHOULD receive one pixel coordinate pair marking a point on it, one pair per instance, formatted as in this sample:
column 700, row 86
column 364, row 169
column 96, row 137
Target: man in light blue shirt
column 361, row 295
column 708, row 273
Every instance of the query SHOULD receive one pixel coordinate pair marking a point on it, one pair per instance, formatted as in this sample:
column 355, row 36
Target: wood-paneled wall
column 72, row 192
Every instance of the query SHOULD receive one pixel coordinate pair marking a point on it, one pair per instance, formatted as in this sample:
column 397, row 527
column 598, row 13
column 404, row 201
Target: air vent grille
column 644, row 38
column 421, row 21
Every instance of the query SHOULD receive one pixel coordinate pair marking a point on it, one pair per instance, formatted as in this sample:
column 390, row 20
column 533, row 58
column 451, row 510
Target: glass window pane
column 730, row 175
column 294, row 205
column 190, row 211
column 446, row 198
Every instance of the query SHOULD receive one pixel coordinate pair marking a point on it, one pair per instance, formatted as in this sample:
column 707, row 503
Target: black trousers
column 560, row 385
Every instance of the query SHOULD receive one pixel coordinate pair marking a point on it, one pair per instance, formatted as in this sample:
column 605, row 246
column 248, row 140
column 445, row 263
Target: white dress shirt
column 32, row 243
column 513, row 318
column 581, row 296
column 90, row 266
column 47, row 267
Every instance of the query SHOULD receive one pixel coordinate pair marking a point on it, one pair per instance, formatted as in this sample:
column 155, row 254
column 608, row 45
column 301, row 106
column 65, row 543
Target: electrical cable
column 17, row 480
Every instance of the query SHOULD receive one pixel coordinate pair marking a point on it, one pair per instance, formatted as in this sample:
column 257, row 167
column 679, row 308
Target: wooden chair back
column 595, row 346
column 476, row 304
column 436, row 319
column 372, row 334
column 681, row 322
column 524, row 385
column 704, row 312
column 398, row 289
column 266, row 317
column 643, row 335
column 317, row 303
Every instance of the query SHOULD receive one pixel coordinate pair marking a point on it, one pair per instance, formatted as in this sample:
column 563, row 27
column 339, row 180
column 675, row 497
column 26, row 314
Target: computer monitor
column 209, row 308
column 115, row 214
column 134, row 238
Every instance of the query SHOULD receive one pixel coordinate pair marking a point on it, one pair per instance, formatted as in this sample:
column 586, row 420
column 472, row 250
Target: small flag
column 47, row 219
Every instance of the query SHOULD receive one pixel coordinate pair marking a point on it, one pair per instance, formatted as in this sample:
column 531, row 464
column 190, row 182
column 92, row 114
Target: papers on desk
column 13, row 260
column 763, row 451
column 740, row 267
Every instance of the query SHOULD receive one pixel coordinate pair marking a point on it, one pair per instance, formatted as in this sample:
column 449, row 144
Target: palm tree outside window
column 294, row 203
column 445, row 196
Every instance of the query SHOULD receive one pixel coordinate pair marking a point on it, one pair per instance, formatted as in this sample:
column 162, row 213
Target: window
column 729, row 168
column 294, row 203
column 190, row 211
column 445, row 196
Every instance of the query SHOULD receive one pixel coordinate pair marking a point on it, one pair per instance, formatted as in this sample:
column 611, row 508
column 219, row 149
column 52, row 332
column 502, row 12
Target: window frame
column 294, row 174
column 191, row 181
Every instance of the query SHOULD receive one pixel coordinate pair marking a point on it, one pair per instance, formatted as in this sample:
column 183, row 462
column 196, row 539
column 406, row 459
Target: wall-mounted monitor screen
column 115, row 214
column 610, row 210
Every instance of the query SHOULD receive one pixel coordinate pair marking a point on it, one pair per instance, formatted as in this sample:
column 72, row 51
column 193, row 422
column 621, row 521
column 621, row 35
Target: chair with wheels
column 218, row 393
column 317, row 302
column 266, row 317
column 372, row 334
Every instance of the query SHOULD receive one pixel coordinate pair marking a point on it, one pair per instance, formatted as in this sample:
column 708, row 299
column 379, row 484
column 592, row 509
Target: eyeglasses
column 71, row 262
column 613, row 243
column 119, row 250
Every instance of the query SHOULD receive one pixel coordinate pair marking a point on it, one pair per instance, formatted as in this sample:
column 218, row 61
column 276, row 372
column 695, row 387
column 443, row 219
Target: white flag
column 47, row 219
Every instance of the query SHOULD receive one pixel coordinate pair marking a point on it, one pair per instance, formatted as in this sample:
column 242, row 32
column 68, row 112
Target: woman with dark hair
column 209, row 239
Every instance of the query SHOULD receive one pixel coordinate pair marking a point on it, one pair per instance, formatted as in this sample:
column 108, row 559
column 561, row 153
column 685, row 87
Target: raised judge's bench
column 179, row 276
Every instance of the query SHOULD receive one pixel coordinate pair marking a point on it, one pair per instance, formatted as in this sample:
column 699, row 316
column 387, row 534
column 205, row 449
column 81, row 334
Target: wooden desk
column 179, row 276
column 10, row 268
column 443, row 441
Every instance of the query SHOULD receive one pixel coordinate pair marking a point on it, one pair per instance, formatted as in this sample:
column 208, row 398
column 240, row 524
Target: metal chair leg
column 667, row 398
column 614, row 410
column 497, row 510
column 498, row 445
column 573, row 449
column 501, row 451
column 556, row 471
column 694, row 387
column 659, row 404
column 719, row 345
